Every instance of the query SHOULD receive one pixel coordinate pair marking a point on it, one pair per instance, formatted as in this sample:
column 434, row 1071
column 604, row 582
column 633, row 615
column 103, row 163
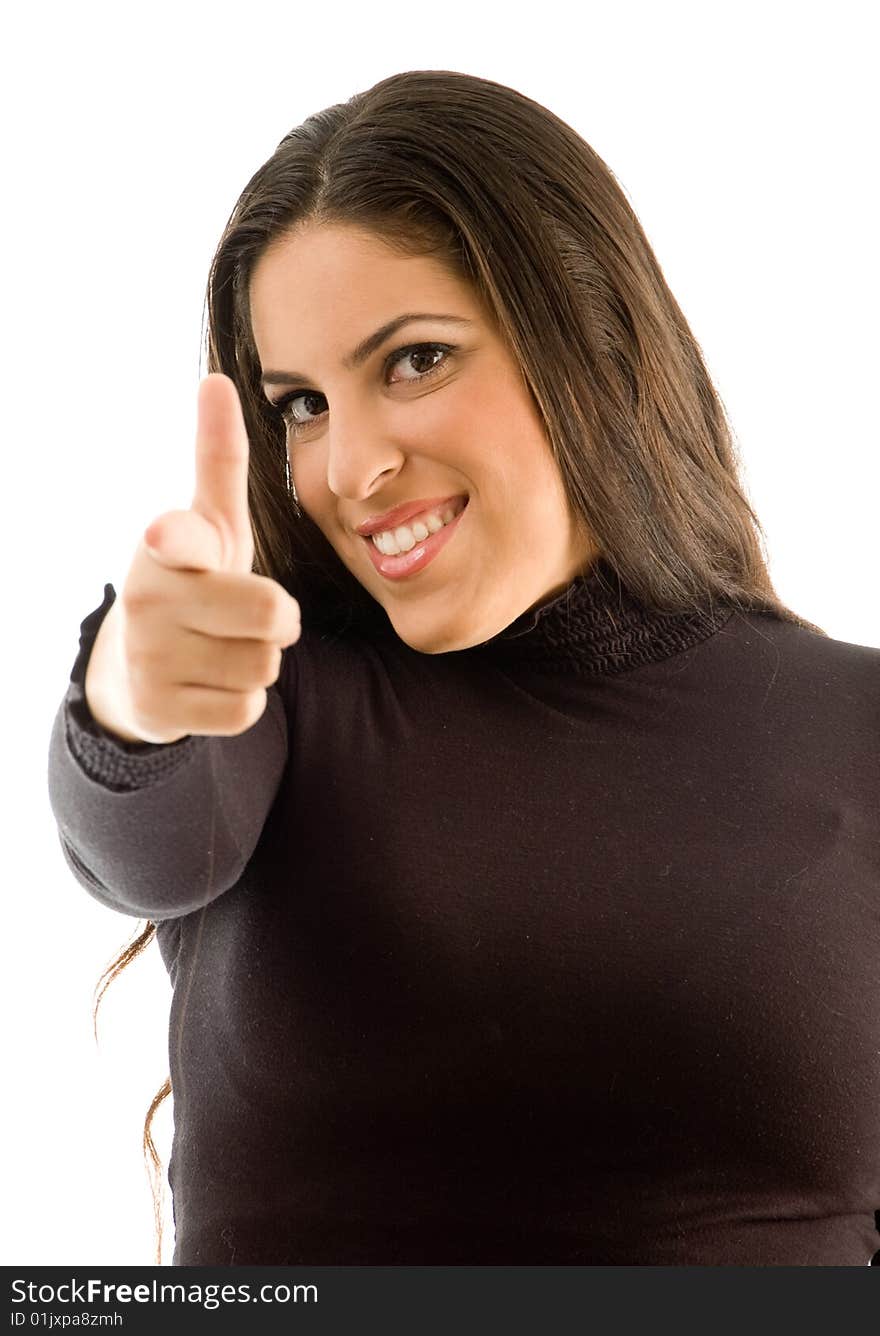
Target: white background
column 745, row 137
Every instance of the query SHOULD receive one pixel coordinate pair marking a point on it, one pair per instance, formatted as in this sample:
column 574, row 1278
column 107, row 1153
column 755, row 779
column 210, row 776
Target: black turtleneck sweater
column 563, row 949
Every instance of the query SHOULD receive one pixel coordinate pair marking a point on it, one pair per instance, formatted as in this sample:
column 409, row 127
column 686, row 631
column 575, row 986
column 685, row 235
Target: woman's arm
column 158, row 830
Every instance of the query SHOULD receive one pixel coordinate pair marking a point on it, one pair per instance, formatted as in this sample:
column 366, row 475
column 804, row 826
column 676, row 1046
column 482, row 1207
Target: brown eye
column 297, row 426
column 426, row 350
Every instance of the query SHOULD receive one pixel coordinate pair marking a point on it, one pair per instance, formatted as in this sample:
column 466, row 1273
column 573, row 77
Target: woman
column 520, row 902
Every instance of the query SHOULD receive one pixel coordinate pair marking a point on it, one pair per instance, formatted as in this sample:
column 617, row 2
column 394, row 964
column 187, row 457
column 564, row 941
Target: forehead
column 346, row 276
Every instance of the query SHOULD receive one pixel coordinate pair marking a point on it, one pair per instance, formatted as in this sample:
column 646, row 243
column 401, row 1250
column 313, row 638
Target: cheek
column 308, row 470
column 519, row 472
column 512, row 432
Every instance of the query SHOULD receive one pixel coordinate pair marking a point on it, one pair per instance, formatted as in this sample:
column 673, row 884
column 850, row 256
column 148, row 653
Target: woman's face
column 402, row 425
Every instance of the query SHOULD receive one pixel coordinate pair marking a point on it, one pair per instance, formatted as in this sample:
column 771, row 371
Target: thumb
column 222, row 452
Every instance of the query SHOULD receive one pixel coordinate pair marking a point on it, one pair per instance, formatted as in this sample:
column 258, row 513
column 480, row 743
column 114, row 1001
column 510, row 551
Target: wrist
column 102, row 682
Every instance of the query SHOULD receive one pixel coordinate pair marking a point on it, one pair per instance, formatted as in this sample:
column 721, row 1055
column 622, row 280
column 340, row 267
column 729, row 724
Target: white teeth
column 404, row 538
column 392, row 542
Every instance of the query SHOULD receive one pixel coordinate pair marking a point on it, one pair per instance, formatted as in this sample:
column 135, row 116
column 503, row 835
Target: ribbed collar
column 596, row 626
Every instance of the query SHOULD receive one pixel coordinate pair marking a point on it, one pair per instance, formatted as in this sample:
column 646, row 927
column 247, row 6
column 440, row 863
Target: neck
column 595, row 626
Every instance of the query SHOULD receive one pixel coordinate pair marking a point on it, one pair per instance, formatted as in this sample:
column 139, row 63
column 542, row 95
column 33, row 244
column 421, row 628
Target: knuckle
column 249, row 707
column 142, row 662
column 168, row 517
column 269, row 600
column 136, row 600
column 268, row 610
column 269, row 664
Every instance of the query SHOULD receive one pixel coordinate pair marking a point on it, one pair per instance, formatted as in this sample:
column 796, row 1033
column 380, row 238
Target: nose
column 361, row 458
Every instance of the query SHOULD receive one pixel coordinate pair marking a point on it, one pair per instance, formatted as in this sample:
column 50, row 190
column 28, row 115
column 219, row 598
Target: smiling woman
column 387, row 448
column 536, row 919
column 569, row 325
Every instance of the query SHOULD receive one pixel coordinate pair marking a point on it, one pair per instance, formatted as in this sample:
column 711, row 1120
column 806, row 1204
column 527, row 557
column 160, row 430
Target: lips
column 407, row 564
column 398, row 515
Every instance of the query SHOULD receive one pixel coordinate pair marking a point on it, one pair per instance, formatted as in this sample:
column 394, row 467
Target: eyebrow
column 365, row 348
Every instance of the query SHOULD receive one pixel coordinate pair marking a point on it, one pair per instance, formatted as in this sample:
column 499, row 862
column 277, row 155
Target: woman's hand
column 195, row 637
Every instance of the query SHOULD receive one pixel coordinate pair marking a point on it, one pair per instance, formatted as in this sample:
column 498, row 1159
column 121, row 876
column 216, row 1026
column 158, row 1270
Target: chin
column 435, row 637
column 431, row 644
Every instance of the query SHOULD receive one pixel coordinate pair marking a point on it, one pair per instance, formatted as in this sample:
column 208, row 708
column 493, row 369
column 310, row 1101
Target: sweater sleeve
column 159, row 830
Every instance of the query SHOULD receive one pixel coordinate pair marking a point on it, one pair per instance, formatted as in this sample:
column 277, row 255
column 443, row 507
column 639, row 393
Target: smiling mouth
column 428, row 521
column 422, row 552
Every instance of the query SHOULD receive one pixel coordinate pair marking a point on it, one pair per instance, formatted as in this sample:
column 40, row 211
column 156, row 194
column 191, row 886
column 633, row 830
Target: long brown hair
column 514, row 202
